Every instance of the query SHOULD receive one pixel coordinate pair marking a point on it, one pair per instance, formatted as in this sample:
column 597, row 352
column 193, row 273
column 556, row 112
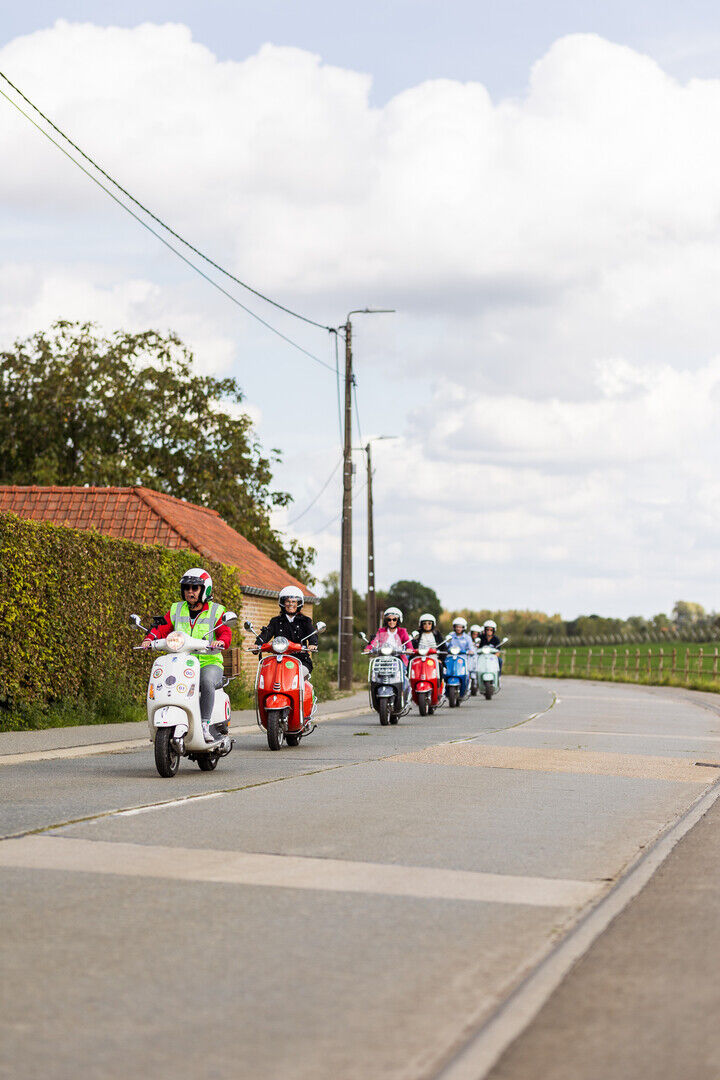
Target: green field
column 692, row 664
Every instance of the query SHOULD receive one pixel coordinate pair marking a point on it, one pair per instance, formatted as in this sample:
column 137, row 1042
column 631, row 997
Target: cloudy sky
column 534, row 188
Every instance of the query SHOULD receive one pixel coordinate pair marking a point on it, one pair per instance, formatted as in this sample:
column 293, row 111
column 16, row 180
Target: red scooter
column 285, row 704
column 426, row 682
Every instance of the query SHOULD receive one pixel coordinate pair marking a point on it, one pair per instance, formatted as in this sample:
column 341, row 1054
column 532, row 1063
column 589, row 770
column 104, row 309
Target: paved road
column 354, row 907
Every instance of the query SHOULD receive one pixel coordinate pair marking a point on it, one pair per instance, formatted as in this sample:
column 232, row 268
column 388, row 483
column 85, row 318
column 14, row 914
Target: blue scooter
column 457, row 676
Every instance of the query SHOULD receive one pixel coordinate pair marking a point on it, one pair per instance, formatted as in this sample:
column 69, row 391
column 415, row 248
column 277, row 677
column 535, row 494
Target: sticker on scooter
column 181, row 688
column 188, row 673
column 170, row 680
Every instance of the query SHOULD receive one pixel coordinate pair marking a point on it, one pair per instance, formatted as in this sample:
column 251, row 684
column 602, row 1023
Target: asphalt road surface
column 356, row 907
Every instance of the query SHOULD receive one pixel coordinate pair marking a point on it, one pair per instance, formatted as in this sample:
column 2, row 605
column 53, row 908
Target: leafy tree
column 686, row 613
column 129, row 409
column 413, row 598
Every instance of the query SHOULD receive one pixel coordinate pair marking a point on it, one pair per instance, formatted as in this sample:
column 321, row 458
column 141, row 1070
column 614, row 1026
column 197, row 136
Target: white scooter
column 488, row 668
column 173, row 703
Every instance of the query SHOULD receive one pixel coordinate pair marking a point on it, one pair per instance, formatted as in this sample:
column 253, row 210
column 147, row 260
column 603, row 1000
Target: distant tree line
column 687, row 622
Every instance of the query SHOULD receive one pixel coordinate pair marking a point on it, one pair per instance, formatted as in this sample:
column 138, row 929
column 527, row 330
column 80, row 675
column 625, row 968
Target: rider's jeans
column 211, row 677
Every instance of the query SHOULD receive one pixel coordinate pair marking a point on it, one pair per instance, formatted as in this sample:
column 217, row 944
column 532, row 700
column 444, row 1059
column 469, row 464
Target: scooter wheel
column 452, row 696
column 488, row 690
column 292, row 740
column 473, row 689
column 167, row 758
column 274, row 729
column 384, row 711
column 207, row 762
column 423, row 704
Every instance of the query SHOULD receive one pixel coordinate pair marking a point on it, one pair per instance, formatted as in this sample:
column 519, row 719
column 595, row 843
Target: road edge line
column 483, row 1050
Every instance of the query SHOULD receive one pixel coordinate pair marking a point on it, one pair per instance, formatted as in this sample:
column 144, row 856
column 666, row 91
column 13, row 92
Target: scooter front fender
column 171, row 716
column 277, row 701
column 422, row 687
column 385, row 691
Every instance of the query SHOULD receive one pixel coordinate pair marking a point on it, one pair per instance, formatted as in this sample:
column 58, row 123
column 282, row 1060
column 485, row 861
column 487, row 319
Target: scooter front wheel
column 274, row 729
column 488, row 688
column 167, row 758
column 452, row 696
column 384, row 711
column 423, row 700
column 473, row 688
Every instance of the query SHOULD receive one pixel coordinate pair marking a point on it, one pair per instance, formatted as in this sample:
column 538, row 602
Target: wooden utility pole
column 371, row 612
column 345, row 625
column 345, row 628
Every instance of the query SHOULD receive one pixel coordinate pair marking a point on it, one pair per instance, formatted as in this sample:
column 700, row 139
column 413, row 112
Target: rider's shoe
column 209, row 737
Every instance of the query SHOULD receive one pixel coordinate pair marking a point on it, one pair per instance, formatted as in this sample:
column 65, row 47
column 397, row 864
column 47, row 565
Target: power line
column 322, row 489
column 356, row 491
column 167, row 243
column 337, row 382
column 357, row 411
column 145, row 210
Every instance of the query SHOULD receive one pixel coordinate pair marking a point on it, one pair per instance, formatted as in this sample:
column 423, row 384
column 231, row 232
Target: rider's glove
column 218, row 645
column 146, row 643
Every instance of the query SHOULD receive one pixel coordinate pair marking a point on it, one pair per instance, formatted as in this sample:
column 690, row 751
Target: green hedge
column 66, row 597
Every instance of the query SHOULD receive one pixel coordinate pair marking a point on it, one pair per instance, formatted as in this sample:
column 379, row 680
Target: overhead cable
column 167, row 243
column 322, row 489
column 145, row 210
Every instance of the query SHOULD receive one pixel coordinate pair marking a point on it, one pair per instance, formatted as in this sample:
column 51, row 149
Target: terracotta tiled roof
column 149, row 517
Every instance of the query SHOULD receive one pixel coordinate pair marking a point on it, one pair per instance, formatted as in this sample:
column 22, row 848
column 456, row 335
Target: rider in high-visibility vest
column 197, row 616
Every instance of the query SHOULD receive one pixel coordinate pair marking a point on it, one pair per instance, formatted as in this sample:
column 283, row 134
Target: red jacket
column 222, row 633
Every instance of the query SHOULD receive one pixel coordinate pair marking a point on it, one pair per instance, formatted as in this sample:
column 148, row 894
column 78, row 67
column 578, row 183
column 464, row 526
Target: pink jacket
column 397, row 638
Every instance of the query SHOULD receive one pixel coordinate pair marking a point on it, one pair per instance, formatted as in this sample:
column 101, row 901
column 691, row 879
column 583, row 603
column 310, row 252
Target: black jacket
column 482, row 640
column 299, row 628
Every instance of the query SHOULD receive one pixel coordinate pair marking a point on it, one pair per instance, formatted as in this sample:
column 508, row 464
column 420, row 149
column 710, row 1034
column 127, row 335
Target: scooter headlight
column 423, row 652
column 175, row 641
column 455, row 651
column 386, row 650
column 280, row 644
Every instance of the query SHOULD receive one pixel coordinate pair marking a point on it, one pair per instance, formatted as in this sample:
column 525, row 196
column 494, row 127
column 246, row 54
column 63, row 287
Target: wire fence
column 680, row 665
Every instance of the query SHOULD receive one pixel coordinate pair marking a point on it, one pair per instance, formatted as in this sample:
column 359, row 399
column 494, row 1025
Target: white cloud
column 553, row 258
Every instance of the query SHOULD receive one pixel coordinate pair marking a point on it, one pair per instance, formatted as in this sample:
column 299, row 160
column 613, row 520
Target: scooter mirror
column 504, row 640
column 415, row 634
column 247, row 626
column 363, row 636
column 230, row 619
column 134, row 620
column 320, row 627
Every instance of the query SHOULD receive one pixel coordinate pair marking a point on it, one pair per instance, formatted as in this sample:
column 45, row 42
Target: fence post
column 687, row 664
column 557, row 662
column 612, row 666
column 637, row 663
column 572, row 662
column 661, row 663
column 602, row 657
column 649, row 662
column 589, row 658
column 673, row 669
column 700, row 661
column 530, row 661
column 715, row 662
column 627, row 660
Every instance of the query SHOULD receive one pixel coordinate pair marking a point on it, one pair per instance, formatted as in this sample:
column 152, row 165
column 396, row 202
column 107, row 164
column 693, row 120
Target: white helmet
column 291, row 592
column 459, row 621
column 393, row 611
column 197, row 576
column 490, row 623
column 427, row 617
column 476, row 628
